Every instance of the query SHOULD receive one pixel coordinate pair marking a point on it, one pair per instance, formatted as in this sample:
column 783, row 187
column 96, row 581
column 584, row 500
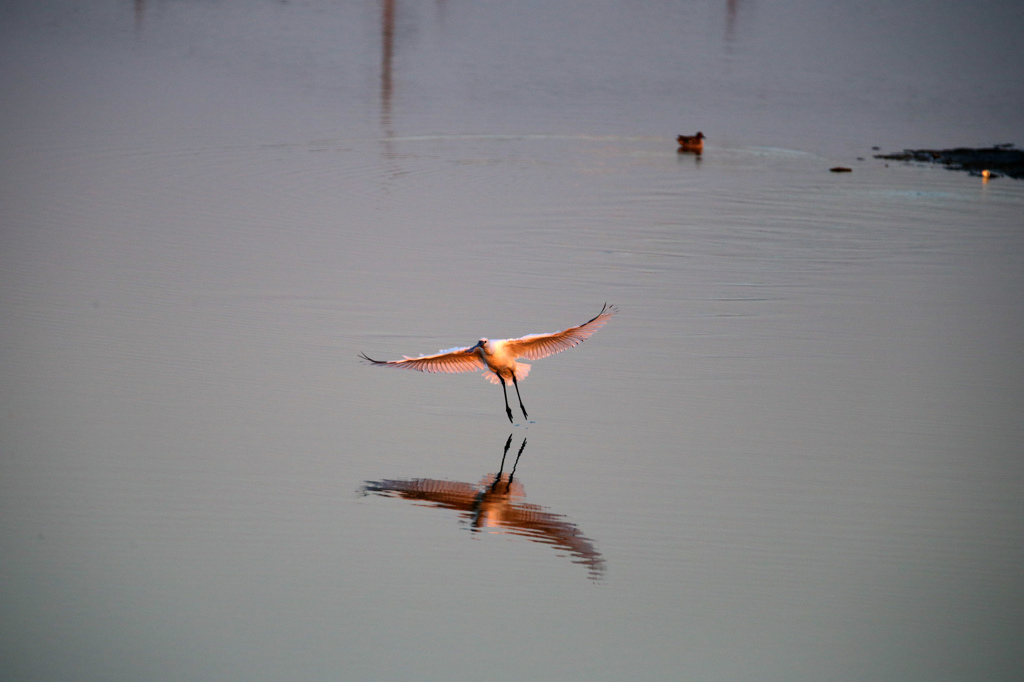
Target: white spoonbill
column 498, row 356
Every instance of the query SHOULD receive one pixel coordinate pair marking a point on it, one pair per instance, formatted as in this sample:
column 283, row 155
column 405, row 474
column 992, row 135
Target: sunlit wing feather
column 537, row 346
column 450, row 361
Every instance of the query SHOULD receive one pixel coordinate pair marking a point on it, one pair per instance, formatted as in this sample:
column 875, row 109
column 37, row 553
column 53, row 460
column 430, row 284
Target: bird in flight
column 498, row 356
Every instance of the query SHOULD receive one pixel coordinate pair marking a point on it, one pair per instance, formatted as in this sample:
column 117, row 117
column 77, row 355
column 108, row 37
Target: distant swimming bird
column 691, row 143
column 498, row 356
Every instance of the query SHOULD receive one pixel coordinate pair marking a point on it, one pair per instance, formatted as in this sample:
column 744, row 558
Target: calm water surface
column 795, row 454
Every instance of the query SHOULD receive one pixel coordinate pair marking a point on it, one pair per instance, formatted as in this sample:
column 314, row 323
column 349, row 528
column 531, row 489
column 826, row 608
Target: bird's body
column 499, row 356
column 691, row 143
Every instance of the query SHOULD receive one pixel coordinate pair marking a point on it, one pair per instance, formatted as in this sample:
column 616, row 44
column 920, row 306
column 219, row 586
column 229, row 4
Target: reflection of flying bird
column 495, row 504
column 498, row 356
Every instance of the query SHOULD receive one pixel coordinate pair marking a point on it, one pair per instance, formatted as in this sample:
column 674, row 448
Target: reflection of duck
column 495, row 504
column 691, row 143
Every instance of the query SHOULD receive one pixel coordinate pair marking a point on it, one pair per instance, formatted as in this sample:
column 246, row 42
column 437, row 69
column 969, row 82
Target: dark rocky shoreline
column 1003, row 159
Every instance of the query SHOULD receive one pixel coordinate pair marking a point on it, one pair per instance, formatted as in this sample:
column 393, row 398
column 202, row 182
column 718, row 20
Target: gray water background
column 796, row 450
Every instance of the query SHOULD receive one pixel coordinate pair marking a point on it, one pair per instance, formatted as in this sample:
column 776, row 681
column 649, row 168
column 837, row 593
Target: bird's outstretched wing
column 447, row 361
column 537, row 346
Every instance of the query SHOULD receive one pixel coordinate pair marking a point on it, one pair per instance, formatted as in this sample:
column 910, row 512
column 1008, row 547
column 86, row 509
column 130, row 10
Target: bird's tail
column 522, row 369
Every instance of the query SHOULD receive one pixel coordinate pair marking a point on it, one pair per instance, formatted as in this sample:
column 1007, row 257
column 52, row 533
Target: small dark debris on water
column 1002, row 159
column 841, row 169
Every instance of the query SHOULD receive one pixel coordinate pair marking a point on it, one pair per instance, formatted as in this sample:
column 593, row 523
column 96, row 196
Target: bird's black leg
column 516, row 383
column 508, row 410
